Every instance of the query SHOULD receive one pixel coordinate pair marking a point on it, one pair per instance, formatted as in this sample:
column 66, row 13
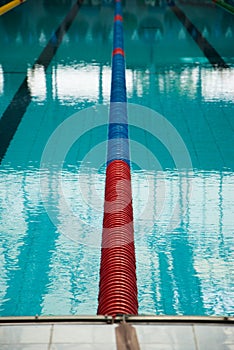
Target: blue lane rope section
column 118, row 145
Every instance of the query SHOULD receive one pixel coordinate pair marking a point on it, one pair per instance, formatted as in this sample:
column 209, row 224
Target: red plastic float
column 118, row 288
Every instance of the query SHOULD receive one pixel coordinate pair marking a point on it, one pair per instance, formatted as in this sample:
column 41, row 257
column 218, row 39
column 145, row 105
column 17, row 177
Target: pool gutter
column 118, row 319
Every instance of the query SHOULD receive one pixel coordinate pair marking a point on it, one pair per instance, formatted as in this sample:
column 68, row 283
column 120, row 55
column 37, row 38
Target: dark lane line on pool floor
column 208, row 50
column 15, row 111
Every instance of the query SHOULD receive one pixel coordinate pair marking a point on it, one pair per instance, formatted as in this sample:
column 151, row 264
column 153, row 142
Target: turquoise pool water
column 53, row 171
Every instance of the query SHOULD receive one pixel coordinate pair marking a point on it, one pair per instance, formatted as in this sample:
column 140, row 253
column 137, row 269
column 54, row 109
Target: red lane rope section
column 118, row 51
column 118, row 18
column 117, row 289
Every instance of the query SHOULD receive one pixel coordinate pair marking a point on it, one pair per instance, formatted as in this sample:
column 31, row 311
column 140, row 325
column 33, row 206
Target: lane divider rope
column 10, row 5
column 224, row 5
column 118, row 285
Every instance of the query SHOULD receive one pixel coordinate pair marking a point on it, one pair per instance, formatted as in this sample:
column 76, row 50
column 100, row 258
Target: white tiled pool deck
column 151, row 333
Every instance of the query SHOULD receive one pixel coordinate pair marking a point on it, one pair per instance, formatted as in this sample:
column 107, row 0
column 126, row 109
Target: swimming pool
column 180, row 106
